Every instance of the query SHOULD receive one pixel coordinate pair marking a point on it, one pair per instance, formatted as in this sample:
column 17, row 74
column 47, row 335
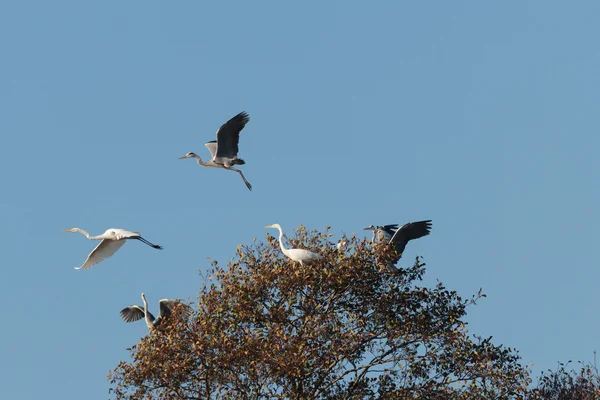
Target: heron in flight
column 112, row 240
column 166, row 306
column 300, row 255
column 399, row 238
column 224, row 150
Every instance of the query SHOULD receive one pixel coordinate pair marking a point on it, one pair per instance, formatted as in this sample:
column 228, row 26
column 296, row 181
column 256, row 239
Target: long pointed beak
column 181, row 158
column 269, row 226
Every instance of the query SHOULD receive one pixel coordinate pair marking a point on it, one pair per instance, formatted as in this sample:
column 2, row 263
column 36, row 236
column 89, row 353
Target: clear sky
column 482, row 116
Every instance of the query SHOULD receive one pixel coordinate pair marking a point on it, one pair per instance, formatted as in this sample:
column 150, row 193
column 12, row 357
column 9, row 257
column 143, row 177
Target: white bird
column 224, row 150
column 166, row 306
column 341, row 245
column 299, row 255
column 112, row 240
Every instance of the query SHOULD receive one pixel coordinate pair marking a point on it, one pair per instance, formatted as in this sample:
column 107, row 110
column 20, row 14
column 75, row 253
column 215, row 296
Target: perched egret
column 400, row 237
column 112, row 240
column 341, row 245
column 300, row 255
column 166, row 306
column 224, row 150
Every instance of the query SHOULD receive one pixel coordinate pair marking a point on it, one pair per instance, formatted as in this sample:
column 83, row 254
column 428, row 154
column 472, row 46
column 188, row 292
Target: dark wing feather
column 133, row 313
column 410, row 231
column 390, row 228
column 228, row 135
column 166, row 309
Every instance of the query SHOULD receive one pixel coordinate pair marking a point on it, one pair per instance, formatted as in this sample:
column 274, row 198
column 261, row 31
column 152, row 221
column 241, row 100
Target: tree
column 564, row 384
column 340, row 328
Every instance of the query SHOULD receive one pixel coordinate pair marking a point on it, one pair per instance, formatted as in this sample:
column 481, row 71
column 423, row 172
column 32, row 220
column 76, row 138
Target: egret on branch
column 400, row 237
column 166, row 306
column 112, row 240
column 300, row 255
column 224, row 150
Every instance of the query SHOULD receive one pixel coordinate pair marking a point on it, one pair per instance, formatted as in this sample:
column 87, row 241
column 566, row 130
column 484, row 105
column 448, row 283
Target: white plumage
column 112, row 240
column 299, row 255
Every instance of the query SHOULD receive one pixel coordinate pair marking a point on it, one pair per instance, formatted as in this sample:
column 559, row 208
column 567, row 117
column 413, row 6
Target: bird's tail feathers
column 238, row 161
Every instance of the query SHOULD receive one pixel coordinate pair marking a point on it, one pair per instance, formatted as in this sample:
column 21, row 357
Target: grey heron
column 166, row 306
column 224, row 150
column 400, row 238
column 299, row 255
column 111, row 241
column 382, row 233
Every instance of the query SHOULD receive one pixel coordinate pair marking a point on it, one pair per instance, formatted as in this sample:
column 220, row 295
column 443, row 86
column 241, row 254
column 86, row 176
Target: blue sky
column 481, row 116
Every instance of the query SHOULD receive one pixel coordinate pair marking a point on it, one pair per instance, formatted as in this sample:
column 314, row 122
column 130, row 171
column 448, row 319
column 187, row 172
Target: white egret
column 341, row 245
column 112, row 240
column 224, row 150
column 400, row 237
column 166, row 306
column 300, row 255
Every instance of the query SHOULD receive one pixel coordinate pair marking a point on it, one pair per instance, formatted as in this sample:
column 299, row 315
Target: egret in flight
column 112, row 240
column 166, row 306
column 224, row 150
column 300, row 255
column 400, row 237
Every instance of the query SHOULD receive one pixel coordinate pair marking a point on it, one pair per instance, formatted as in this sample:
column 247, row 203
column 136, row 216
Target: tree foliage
column 564, row 384
column 268, row 328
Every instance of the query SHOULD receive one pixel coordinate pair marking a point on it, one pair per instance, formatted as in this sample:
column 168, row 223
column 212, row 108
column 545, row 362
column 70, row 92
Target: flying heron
column 224, row 150
column 112, row 240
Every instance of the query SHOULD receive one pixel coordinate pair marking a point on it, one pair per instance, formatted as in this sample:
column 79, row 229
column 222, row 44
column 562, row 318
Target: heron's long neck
column 87, row 235
column 283, row 249
column 197, row 157
column 146, row 309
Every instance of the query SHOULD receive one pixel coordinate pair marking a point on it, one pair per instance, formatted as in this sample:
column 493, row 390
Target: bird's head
column 143, row 297
column 370, row 228
column 188, row 155
column 275, row 226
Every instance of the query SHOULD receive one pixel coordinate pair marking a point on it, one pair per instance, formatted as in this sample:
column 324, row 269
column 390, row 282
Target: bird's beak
column 269, row 226
column 68, row 230
column 181, row 158
column 367, row 228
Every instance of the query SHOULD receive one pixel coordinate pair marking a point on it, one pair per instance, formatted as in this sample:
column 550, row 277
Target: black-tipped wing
column 133, row 313
column 410, row 231
column 228, row 135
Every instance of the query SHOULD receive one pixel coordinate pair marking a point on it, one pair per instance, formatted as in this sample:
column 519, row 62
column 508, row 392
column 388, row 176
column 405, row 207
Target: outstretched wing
column 228, row 136
column 212, row 147
column 410, row 231
column 133, row 313
column 105, row 249
column 390, row 228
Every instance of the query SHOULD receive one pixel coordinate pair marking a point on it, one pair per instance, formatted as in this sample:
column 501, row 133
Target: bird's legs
column 248, row 185
column 141, row 239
